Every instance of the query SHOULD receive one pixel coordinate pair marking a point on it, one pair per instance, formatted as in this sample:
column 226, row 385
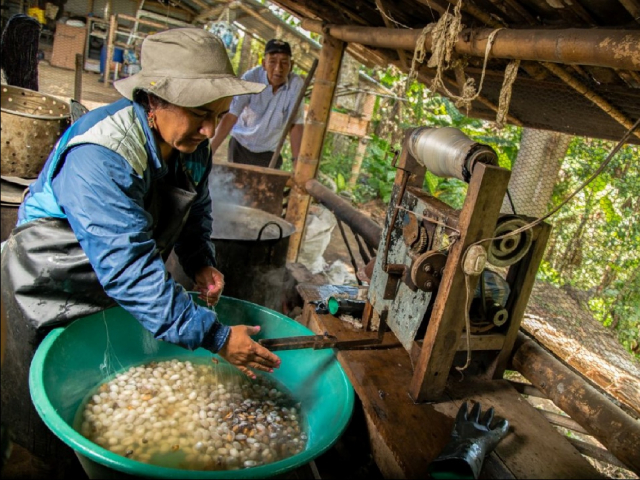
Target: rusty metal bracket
column 317, row 342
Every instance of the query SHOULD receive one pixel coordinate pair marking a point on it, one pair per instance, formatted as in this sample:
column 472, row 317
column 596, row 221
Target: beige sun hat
column 188, row 67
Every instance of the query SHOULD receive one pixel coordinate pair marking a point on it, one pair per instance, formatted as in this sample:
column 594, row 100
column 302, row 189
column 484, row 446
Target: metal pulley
column 447, row 152
column 427, row 270
column 509, row 250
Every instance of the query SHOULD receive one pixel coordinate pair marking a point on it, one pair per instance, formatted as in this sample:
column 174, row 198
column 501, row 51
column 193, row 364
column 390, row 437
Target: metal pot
column 251, row 252
column 32, row 123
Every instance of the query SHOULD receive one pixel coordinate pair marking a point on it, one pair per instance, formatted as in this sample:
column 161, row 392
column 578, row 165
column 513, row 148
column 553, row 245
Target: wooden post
column 477, row 221
column 367, row 111
column 77, row 86
column 607, row 422
column 357, row 161
column 113, row 25
column 315, row 128
column 245, row 54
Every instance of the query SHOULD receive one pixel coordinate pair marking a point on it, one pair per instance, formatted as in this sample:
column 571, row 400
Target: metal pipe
column 572, row 46
column 607, row 422
column 358, row 222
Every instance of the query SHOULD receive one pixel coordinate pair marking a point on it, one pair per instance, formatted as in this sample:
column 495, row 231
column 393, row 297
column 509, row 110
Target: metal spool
column 32, row 123
column 447, row 152
column 509, row 250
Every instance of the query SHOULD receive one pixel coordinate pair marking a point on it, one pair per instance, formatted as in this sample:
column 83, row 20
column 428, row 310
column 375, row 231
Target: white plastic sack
column 317, row 235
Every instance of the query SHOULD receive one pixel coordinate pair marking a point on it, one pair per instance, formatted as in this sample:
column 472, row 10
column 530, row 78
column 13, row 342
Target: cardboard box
column 67, row 42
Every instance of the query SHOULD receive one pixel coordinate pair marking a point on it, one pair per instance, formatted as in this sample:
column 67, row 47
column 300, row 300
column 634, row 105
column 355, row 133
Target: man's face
column 278, row 67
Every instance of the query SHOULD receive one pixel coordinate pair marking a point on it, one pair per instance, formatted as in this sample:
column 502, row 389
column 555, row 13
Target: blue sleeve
column 194, row 247
column 103, row 199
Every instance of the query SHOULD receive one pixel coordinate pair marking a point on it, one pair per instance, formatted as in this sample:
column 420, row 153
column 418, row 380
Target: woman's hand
column 210, row 283
column 246, row 354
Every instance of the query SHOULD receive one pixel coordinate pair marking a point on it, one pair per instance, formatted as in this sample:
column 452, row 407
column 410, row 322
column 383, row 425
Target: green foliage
column 606, row 264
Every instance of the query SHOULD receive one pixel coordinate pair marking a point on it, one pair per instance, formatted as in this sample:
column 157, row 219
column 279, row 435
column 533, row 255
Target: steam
column 223, row 189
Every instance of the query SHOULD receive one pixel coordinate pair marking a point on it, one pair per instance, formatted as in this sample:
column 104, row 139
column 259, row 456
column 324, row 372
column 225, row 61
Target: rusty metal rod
column 369, row 230
column 571, row 46
column 607, row 422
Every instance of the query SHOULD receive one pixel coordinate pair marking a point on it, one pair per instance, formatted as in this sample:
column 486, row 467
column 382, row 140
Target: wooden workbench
column 405, row 437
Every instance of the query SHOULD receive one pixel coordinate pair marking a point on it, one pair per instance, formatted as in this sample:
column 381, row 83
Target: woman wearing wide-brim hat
column 125, row 184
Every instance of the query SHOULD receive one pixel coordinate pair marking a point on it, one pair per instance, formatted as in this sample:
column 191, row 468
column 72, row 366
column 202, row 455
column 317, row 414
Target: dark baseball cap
column 277, row 46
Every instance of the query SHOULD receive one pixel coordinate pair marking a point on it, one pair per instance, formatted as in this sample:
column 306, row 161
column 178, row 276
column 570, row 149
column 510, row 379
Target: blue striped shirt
column 262, row 116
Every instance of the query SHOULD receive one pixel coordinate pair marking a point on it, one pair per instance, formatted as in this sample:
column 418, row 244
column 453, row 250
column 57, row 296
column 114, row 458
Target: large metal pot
column 32, row 123
column 251, row 251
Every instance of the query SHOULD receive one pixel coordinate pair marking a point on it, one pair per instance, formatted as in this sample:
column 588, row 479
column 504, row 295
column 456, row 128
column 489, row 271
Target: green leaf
column 609, row 210
column 340, row 182
column 598, row 184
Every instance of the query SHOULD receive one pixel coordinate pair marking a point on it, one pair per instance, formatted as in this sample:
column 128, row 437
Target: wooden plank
column 345, row 124
column 597, row 453
column 403, row 446
column 533, row 444
column 477, row 221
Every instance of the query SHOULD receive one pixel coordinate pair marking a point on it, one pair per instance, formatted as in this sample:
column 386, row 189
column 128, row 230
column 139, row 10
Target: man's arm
column 223, row 129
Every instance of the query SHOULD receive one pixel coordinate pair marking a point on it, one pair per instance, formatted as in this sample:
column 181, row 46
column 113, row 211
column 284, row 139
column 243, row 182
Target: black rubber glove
column 471, row 440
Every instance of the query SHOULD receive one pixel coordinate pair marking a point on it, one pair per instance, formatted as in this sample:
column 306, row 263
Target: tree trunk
column 535, row 171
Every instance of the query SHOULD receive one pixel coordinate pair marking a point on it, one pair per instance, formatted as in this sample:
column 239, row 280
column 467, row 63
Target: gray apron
column 47, row 282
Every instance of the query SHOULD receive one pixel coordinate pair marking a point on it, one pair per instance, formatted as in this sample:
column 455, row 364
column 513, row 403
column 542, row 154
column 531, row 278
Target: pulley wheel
column 509, row 250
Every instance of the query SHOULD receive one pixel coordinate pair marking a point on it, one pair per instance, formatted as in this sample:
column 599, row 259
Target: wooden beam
column 563, row 421
column 149, row 23
column 600, row 48
column 77, row 85
column 607, row 422
column 315, row 129
column 113, row 26
column 526, row 389
column 633, row 7
column 401, row 53
column 477, row 221
column 596, row 453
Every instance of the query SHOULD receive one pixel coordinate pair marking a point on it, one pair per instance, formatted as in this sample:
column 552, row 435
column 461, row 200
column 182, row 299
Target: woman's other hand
column 246, row 354
column 209, row 283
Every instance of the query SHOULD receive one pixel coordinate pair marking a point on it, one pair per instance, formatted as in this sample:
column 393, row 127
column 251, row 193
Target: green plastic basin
column 70, row 363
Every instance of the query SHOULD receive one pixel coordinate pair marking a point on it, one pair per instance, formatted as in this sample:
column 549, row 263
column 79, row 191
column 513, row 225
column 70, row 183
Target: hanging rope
column 418, row 54
column 510, row 74
column 444, row 35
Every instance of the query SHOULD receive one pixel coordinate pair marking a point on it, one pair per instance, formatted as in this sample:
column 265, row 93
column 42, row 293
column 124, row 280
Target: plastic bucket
column 67, row 366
